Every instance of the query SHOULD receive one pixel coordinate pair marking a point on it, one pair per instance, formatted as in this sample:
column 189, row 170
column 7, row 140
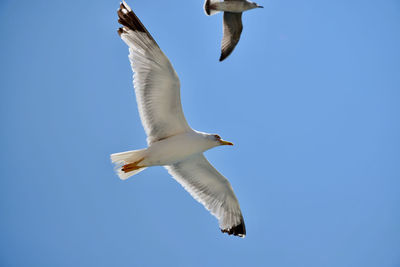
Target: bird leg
column 132, row 166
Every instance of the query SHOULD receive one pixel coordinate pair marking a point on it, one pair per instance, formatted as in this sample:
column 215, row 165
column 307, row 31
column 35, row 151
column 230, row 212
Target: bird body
column 171, row 141
column 237, row 6
column 178, row 147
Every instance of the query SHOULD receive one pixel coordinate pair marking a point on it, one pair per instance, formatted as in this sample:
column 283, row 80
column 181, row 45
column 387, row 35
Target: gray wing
column 232, row 27
column 211, row 189
column 156, row 83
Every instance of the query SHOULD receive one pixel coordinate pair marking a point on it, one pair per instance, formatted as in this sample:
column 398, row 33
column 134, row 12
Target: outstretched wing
column 232, row 27
column 156, row 83
column 211, row 189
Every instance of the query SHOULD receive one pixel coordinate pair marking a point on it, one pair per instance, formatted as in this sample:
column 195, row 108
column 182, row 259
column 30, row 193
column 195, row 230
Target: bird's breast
column 173, row 149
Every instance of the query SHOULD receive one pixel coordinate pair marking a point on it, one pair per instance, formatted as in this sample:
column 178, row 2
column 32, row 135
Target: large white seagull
column 171, row 141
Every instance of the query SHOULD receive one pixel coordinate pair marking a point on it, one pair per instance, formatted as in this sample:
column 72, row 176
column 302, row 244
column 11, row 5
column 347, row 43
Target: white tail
column 126, row 163
column 209, row 7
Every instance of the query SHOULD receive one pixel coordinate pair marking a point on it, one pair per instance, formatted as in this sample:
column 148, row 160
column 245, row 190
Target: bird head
column 255, row 5
column 219, row 141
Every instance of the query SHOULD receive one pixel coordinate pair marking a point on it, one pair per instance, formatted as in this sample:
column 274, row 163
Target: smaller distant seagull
column 171, row 141
column 233, row 27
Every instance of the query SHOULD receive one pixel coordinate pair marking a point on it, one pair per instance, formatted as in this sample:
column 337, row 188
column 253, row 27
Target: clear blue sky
column 310, row 97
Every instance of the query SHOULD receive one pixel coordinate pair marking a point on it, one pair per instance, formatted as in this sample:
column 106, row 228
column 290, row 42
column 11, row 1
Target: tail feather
column 127, row 163
column 209, row 7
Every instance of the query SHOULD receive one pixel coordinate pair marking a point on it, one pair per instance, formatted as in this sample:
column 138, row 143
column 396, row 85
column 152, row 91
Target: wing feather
column 156, row 83
column 232, row 28
column 211, row 189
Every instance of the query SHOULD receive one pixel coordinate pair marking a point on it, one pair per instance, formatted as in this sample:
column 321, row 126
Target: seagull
column 232, row 24
column 172, row 143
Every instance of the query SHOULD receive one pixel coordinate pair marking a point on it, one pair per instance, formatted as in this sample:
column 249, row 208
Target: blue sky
column 310, row 97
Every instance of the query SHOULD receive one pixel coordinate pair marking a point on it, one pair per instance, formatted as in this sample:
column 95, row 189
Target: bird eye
column 217, row 136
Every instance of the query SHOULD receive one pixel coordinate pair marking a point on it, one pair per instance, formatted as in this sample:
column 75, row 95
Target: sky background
column 310, row 97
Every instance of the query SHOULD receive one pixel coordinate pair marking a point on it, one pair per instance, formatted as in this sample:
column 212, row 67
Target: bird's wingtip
column 124, row 4
column 238, row 230
column 129, row 20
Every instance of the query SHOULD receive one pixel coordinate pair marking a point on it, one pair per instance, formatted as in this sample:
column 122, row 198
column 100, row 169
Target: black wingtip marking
column 238, row 230
column 120, row 31
column 225, row 54
column 130, row 21
column 207, row 7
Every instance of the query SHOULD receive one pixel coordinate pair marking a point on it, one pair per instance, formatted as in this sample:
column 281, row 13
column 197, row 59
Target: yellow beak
column 225, row 143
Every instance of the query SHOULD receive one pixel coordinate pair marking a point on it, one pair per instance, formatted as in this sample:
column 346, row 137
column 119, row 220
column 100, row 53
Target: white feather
column 122, row 158
column 208, row 187
column 157, row 88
